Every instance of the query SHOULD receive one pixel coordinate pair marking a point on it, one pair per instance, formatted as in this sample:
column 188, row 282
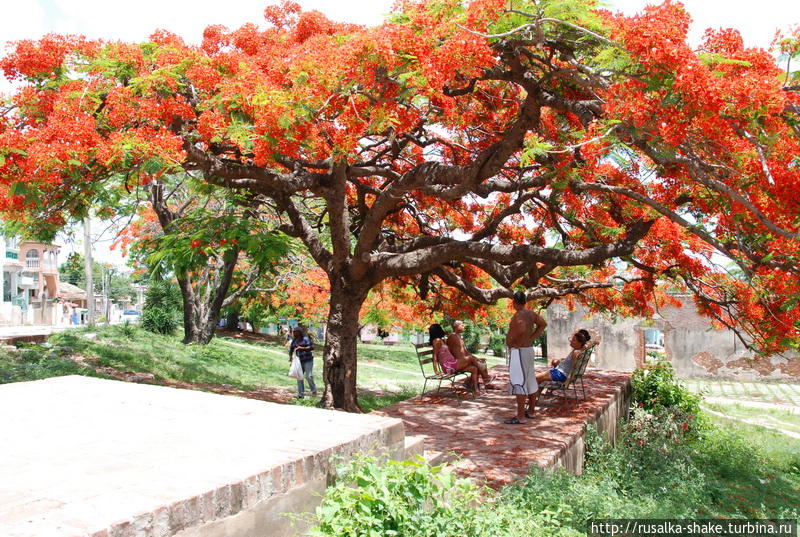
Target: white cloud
column 135, row 21
column 757, row 22
column 21, row 20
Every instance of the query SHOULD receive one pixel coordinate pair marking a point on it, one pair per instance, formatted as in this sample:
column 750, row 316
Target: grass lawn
column 386, row 374
column 770, row 490
column 769, row 392
column 773, row 417
column 723, row 470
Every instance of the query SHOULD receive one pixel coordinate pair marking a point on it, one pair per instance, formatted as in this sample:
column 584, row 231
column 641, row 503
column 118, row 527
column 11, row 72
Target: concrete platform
column 471, row 434
column 89, row 457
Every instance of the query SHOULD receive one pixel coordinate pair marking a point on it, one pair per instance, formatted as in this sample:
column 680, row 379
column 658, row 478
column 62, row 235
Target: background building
column 689, row 341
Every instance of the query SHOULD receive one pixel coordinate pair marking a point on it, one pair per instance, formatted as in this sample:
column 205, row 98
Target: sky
column 135, row 21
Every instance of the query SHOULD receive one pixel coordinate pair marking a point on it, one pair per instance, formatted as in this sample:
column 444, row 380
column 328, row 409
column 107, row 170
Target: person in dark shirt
column 302, row 345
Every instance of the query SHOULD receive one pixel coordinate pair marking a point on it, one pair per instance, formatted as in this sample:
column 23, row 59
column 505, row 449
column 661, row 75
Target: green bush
column 497, row 344
column 165, row 295
column 472, row 337
column 159, row 321
column 655, row 387
column 654, row 470
column 128, row 330
column 402, row 499
column 163, row 305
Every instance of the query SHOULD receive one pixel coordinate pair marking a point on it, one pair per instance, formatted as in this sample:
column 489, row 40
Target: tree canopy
column 482, row 146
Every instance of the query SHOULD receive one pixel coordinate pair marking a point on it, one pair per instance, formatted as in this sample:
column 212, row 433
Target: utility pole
column 87, row 256
column 105, row 294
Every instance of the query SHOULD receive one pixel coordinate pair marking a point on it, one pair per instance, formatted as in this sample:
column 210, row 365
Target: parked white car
column 132, row 316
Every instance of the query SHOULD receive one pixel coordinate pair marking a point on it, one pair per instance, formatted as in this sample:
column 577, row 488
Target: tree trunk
column 339, row 357
column 200, row 318
column 190, row 304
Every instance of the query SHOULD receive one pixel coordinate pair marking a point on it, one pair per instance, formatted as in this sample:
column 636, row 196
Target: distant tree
column 212, row 241
column 73, row 271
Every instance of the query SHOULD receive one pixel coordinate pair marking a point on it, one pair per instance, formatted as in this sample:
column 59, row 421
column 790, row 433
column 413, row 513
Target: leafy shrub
column 656, row 387
column 159, row 321
column 497, row 344
column 471, row 336
column 128, row 330
column 165, row 295
column 162, row 306
column 655, row 470
column 402, row 499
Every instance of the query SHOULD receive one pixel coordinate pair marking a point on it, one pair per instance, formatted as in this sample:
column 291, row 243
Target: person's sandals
column 514, row 421
column 528, row 415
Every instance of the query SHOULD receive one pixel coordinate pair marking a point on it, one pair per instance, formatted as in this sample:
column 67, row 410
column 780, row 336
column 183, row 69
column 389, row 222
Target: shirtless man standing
column 525, row 326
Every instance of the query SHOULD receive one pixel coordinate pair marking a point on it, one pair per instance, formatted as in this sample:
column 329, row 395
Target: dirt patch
column 252, row 337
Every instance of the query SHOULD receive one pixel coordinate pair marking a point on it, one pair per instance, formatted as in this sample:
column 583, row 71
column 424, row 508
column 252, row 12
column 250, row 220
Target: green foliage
column 471, row 336
column 576, row 12
column 163, row 294
column 655, row 470
column 38, row 361
column 497, row 344
column 217, row 229
column 162, row 307
column 401, row 499
column 159, row 320
column 73, row 271
column 128, row 330
column 655, row 387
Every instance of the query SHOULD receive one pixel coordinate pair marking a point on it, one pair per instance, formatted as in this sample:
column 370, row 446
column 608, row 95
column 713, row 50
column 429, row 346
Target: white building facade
column 13, row 307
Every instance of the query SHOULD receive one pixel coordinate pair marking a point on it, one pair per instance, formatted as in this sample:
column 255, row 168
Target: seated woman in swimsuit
column 448, row 362
column 560, row 368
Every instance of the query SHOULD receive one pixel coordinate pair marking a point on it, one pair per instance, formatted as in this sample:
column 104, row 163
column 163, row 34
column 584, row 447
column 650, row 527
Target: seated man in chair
column 456, row 345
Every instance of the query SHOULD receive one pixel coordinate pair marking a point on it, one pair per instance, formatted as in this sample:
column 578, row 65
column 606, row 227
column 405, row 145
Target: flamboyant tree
column 481, row 145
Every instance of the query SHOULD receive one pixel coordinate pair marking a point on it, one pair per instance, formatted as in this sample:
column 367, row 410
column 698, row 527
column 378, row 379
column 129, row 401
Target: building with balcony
column 13, row 301
column 40, row 273
column 32, row 291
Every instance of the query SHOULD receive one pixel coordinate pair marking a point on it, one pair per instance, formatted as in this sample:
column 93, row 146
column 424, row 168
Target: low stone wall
column 30, row 338
column 606, row 420
column 100, row 458
column 279, row 502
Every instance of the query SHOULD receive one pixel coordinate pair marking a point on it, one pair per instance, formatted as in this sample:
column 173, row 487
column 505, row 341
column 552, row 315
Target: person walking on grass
column 525, row 326
column 302, row 345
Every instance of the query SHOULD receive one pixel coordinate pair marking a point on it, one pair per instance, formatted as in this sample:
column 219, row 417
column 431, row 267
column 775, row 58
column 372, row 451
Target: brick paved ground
column 767, row 392
column 488, row 450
